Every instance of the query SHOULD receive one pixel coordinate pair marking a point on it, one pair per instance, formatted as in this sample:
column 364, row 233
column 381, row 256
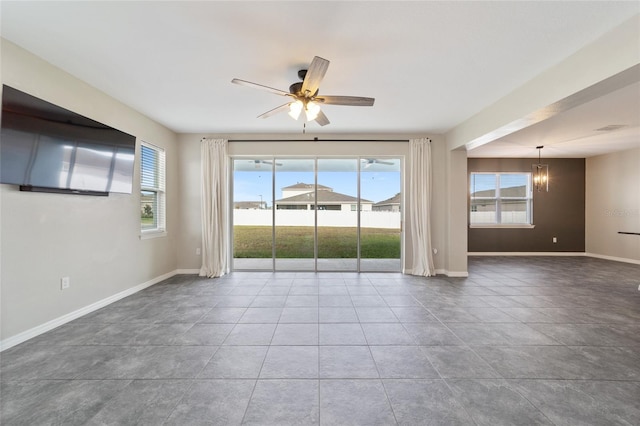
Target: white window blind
column 152, row 189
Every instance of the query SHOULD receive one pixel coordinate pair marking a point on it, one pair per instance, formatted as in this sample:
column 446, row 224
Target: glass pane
column 148, row 210
column 295, row 215
column 483, row 211
column 513, row 211
column 148, row 167
column 380, row 216
column 337, row 222
column 483, row 185
column 252, row 214
column 513, row 185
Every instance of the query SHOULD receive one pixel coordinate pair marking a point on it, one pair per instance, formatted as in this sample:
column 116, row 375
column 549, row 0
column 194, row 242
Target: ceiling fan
column 369, row 161
column 258, row 162
column 304, row 94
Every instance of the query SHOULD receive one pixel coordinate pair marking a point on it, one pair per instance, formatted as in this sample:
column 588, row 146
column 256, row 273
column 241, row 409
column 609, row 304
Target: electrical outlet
column 555, row 240
column 65, row 283
column 198, row 251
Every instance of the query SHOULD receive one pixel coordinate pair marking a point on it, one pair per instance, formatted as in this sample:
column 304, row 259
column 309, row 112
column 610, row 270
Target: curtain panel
column 214, row 208
column 420, row 212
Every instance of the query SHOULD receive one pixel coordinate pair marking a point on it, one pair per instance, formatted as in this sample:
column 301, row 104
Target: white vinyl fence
column 507, row 217
column 368, row 219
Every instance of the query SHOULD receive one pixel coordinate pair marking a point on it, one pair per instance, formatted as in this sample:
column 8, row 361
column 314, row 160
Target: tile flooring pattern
column 522, row 341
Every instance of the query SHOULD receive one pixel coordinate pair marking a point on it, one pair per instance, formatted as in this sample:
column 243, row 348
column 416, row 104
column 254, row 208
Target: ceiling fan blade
column 281, row 108
column 314, row 76
column 345, row 100
column 369, row 161
column 260, row 86
column 322, row 119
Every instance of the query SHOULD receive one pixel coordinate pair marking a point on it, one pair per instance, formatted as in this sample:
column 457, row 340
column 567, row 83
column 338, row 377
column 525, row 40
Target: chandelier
column 540, row 173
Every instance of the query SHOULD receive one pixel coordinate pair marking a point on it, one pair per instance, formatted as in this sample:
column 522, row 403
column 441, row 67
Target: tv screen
column 46, row 146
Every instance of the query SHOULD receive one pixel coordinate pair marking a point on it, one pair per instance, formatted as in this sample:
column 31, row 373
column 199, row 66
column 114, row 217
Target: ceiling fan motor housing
column 296, row 88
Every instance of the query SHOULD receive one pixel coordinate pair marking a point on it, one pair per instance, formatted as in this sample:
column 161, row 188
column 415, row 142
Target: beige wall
column 93, row 240
column 454, row 223
column 189, row 190
column 613, row 205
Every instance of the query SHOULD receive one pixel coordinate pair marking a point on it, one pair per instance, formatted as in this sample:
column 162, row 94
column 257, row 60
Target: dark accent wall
column 558, row 213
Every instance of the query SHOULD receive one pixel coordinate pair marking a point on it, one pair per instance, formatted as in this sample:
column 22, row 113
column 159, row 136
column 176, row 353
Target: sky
column 485, row 181
column 375, row 186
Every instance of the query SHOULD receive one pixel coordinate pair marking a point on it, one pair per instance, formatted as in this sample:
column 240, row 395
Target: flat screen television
column 44, row 147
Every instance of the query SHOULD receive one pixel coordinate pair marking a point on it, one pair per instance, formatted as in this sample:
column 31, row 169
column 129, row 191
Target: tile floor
column 522, row 341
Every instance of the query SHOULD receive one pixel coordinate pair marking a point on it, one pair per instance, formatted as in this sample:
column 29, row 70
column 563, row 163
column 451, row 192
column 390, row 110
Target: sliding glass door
column 380, row 228
column 337, row 213
column 317, row 214
column 294, row 213
column 252, row 232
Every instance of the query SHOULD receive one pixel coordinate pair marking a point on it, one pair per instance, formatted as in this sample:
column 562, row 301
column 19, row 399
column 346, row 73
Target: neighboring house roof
column 326, row 197
column 393, row 200
column 308, row 186
column 513, row 191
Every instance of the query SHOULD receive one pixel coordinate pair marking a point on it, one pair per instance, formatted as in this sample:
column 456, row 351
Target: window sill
column 147, row 235
column 508, row 226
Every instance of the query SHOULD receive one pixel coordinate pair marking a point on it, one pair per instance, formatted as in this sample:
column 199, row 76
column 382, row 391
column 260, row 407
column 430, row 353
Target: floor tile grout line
column 465, row 344
column 504, row 376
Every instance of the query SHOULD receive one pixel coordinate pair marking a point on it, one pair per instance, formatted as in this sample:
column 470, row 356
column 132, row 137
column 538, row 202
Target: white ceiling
column 607, row 124
column 430, row 65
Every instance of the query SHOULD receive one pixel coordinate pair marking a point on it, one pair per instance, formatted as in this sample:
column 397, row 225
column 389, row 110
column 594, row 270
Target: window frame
column 159, row 189
column 498, row 199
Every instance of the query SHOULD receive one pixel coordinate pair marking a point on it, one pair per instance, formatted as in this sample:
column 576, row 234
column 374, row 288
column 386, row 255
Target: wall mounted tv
column 46, row 148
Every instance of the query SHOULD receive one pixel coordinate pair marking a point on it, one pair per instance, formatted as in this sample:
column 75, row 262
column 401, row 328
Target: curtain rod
column 320, row 140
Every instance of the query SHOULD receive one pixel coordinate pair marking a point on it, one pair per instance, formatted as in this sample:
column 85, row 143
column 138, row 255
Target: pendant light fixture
column 540, row 173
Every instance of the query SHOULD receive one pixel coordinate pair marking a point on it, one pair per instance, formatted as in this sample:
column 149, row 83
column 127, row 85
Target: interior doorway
column 317, row 214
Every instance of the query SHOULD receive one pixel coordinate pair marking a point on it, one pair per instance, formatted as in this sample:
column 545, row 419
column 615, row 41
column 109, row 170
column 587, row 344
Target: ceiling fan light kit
column 305, row 95
column 295, row 108
column 312, row 110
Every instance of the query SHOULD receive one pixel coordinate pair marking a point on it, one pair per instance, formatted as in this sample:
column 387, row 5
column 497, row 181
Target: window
column 152, row 190
column 500, row 199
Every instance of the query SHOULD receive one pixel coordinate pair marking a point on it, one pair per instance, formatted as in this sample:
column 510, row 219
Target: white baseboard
column 452, row 274
column 555, row 253
column 617, row 259
column 57, row 322
column 457, row 274
column 525, row 253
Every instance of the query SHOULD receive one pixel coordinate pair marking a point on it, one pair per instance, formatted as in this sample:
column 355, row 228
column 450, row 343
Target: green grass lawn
column 333, row 242
column 147, row 222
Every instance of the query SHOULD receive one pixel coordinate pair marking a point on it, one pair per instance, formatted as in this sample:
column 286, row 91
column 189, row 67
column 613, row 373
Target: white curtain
column 420, row 212
column 215, row 224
